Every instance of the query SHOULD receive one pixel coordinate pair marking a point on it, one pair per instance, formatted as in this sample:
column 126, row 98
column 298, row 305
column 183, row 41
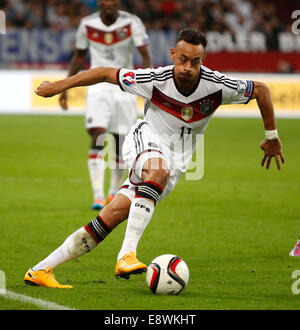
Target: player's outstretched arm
column 271, row 145
column 76, row 65
column 86, row 78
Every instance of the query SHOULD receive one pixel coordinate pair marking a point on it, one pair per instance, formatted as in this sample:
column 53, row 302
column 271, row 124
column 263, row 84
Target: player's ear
column 172, row 54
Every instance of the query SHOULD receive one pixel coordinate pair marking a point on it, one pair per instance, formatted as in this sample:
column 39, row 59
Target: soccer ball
column 167, row 274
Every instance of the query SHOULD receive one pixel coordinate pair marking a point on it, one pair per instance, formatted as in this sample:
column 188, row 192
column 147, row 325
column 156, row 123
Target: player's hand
column 47, row 89
column 271, row 148
column 63, row 100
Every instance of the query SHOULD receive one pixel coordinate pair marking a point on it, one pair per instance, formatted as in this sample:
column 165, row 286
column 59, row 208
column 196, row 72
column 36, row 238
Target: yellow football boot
column 43, row 277
column 128, row 265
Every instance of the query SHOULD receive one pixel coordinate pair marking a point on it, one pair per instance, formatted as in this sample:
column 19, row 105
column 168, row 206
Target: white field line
column 29, row 300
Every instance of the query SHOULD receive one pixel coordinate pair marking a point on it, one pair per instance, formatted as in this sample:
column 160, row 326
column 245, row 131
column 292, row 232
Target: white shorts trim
column 135, row 173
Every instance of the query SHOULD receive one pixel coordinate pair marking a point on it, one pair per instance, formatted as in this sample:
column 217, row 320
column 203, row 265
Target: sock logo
column 84, row 240
column 142, row 207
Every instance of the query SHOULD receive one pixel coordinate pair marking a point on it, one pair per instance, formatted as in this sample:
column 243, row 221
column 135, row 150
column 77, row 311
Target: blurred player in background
column 183, row 97
column 110, row 36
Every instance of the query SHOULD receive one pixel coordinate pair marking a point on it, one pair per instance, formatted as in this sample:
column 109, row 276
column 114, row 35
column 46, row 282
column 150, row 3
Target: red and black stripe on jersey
column 175, row 107
column 115, row 36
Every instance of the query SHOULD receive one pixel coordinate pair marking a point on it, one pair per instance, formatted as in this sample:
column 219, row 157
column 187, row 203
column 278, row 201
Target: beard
column 185, row 78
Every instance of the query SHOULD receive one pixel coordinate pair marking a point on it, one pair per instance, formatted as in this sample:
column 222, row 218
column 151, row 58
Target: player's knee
column 159, row 176
column 156, row 170
column 163, row 176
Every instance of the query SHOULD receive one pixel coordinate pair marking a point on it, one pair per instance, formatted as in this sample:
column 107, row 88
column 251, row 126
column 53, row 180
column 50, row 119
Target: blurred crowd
column 207, row 15
column 53, row 14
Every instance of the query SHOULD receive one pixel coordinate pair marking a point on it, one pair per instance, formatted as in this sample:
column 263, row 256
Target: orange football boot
column 128, row 265
column 43, row 277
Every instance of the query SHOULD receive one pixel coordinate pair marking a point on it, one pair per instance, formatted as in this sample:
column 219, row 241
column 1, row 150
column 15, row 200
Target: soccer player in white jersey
column 182, row 97
column 110, row 36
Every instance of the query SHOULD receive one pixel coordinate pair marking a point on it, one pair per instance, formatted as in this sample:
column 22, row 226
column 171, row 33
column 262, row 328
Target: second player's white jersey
column 170, row 112
column 111, row 46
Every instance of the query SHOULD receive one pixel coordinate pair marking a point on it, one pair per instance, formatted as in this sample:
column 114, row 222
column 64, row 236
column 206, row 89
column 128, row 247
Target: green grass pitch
column 234, row 228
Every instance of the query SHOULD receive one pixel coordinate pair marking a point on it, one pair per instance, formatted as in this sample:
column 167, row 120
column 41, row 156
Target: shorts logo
column 129, row 78
column 187, row 113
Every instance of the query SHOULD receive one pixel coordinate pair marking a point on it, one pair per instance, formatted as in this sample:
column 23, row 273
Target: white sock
column 77, row 244
column 117, row 172
column 96, row 166
column 140, row 213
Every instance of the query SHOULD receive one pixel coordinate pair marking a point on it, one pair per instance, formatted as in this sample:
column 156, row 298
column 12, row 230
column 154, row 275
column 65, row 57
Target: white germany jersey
column 169, row 111
column 111, row 46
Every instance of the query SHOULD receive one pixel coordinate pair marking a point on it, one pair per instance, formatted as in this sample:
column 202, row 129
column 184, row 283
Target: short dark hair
column 192, row 36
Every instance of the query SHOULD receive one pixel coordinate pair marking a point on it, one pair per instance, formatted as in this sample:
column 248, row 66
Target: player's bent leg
column 76, row 245
column 142, row 207
column 79, row 243
column 96, row 166
column 116, row 211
